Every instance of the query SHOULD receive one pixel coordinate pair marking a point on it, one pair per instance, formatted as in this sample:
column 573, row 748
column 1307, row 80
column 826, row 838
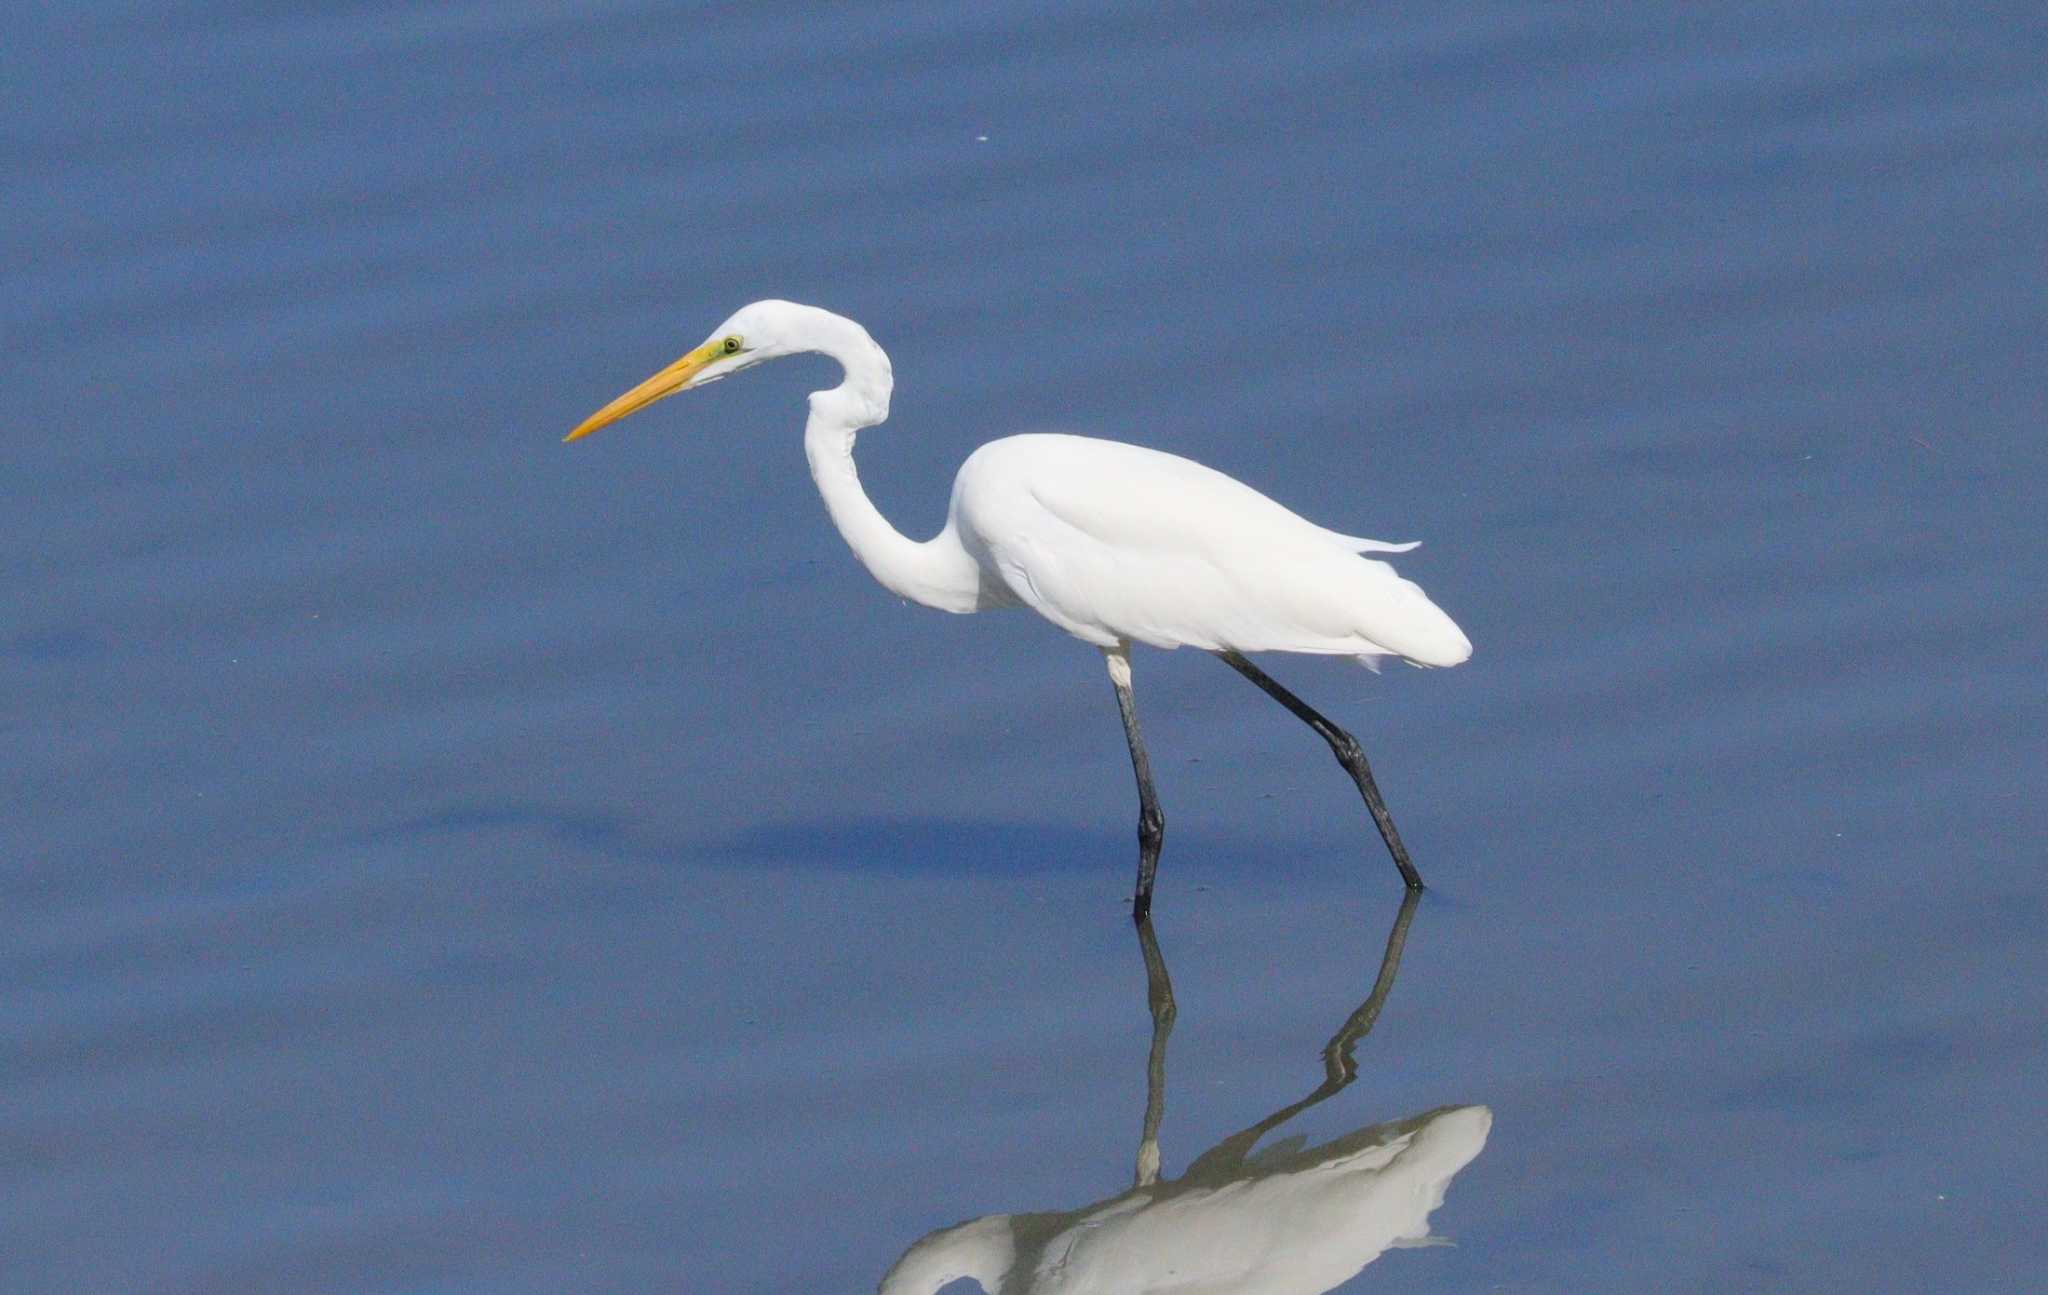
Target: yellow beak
column 676, row 377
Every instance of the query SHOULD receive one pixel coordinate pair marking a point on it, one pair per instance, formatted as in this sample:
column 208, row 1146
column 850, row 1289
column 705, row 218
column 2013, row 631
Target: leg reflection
column 1159, row 997
column 1293, row 1217
column 1340, row 1065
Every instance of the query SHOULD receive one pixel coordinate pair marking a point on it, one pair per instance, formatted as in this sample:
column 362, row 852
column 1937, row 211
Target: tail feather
column 1359, row 544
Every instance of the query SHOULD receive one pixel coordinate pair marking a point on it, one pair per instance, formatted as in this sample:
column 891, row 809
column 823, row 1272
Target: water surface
column 440, row 859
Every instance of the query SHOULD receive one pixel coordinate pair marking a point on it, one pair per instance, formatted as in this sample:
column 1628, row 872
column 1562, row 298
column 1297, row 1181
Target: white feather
column 1117, row 542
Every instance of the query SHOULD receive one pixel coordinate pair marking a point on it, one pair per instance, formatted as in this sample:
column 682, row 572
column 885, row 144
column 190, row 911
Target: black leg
column 1349, row 754
column 1151, row 823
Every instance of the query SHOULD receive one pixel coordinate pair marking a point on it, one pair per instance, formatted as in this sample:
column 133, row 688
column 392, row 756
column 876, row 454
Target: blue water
column 437, row 859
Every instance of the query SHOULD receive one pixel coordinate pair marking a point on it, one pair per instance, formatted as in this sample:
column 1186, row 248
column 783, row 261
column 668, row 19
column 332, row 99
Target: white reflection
column 1289, row 1219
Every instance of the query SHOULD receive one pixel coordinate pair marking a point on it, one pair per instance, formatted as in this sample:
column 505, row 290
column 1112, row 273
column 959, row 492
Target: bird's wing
column 1113, row 541
column 1147, row 500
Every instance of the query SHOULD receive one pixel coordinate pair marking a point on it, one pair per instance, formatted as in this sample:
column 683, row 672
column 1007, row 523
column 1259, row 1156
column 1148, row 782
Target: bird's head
column 762, row 331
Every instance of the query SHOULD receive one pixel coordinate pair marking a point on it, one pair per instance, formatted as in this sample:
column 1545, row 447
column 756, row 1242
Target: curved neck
column 938, row 572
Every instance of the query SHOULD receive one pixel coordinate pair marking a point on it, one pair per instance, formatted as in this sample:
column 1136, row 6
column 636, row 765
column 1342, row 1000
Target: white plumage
column 1115, row 544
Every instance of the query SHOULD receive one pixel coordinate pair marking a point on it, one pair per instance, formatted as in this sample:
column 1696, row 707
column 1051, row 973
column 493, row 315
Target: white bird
column 1115, row 544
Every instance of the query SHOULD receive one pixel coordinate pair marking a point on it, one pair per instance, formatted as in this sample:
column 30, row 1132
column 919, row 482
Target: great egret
column 1113, row 543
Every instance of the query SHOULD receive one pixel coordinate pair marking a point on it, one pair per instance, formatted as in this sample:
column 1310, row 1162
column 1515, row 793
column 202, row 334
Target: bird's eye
column 731, row 346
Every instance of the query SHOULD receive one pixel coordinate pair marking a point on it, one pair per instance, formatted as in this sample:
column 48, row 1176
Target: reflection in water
column 1289, row 1220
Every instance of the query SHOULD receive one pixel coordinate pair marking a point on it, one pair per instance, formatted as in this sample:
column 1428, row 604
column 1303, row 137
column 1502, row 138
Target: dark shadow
column 604, row 834
column 890, row 846
column 926, row 845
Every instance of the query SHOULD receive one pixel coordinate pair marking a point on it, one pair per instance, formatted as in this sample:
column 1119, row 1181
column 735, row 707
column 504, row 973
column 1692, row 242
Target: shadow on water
column 898, row 846
column 920, row 845
column 1292, row 1219
column 885, row 845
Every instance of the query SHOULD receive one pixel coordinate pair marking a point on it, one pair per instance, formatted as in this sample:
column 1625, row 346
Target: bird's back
column 1113, row 541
